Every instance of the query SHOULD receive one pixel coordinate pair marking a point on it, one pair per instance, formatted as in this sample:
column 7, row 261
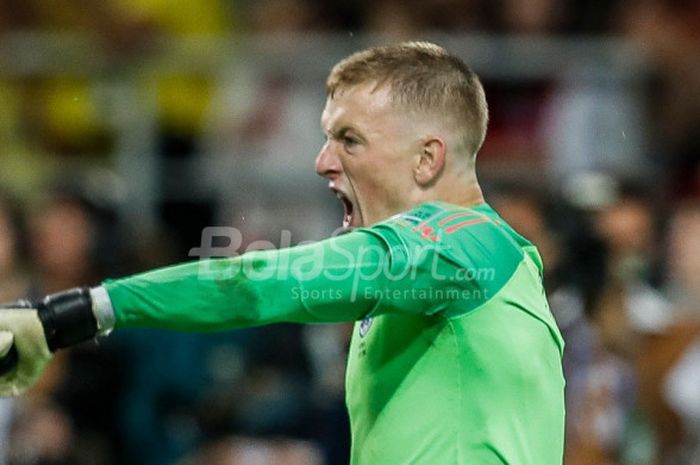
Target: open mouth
column 348, row 208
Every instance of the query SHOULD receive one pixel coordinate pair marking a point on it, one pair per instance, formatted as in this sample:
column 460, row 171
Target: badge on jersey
column 365, row 325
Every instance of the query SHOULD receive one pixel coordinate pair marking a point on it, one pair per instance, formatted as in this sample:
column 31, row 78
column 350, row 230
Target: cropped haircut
column 420, row 77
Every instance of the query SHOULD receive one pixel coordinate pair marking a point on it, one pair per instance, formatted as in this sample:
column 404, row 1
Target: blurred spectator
column 396, row 20
column 62, row 241
column 283, row 16
column 456, row 16
column 684, row 258
column 536, row 17
column 42, row 433
column 629, row 227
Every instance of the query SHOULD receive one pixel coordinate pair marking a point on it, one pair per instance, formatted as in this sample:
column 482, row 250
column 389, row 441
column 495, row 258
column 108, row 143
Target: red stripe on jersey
column 455, row 216
column 452, row 229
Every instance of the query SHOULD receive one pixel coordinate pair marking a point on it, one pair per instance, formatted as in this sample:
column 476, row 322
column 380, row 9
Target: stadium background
column 127, row 126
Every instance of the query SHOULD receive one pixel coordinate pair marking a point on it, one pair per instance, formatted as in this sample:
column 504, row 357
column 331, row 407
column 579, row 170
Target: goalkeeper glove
column 30, row 333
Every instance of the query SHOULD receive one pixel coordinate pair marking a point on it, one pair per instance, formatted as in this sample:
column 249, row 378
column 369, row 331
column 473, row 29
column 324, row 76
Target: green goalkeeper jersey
column 455, row 357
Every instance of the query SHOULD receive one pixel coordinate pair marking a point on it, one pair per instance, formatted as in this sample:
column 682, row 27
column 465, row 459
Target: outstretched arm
column 319, row 282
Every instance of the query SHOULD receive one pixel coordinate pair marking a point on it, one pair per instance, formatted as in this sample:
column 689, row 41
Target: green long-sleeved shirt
column 455, row 357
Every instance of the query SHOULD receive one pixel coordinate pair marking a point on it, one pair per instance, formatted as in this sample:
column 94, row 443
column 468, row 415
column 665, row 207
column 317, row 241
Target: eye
column 349, row 142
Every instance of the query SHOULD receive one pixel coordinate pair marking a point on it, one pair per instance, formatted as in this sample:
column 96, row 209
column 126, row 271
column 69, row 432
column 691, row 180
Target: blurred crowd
column 603, row 176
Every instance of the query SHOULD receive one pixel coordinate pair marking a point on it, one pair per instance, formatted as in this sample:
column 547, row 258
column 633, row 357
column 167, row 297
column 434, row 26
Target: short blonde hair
column 424, row 77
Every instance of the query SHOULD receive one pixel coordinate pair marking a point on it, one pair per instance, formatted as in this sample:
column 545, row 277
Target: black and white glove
column 31, row 332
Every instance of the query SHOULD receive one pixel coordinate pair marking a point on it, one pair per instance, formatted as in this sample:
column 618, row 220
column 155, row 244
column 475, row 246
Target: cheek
column 380, row 192
column 379, row 181
column 366, row 177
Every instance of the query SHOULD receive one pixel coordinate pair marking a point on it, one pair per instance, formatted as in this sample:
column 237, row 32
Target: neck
column 463, row 190
column 468, row 197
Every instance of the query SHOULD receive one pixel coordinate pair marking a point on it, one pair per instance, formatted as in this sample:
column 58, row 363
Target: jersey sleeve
column 423, row 262
column 322, row 282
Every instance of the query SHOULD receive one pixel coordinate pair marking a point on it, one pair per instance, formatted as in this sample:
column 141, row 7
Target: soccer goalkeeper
column 455, row 357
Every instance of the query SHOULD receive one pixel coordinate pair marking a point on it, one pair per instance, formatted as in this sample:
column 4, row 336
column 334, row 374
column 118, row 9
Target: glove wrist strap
column 67, row 318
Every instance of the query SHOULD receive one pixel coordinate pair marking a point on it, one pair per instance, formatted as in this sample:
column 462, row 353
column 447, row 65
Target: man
column 455, row 357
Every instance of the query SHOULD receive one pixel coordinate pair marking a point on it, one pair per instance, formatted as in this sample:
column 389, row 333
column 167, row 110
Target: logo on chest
column 365, row 326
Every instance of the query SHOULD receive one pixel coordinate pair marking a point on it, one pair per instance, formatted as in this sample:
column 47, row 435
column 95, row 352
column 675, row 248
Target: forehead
column 360, row 103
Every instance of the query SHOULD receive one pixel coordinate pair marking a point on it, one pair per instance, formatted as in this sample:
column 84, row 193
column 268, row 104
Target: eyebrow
column 343, row 130
column 340, row 131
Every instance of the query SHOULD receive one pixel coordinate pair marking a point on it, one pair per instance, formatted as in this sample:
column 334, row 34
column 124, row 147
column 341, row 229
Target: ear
column 431, row 161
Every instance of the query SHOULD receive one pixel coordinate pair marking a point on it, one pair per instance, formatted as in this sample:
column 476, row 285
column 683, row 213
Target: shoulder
column 462, row 232
column 466, row 254
column 459, row 237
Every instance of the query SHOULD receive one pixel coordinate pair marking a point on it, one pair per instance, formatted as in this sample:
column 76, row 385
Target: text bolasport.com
column 361, row 267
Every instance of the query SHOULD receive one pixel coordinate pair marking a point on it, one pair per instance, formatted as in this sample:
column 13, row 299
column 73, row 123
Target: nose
column 327, row 162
